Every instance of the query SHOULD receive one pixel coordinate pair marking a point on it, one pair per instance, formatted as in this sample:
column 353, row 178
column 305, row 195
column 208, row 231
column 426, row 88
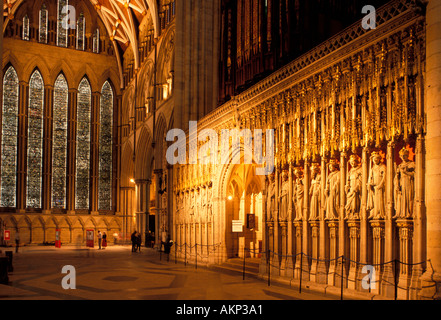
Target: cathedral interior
column 92, row 91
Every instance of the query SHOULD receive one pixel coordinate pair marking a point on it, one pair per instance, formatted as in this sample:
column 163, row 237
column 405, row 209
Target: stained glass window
column 59, row 147
column 83, row 145
column 43, row 25
column 81, row 26
column 26, row 28
column 105, row 148
column 9, row 139
column 62, row 23
column 96, row 41
column 35, row 140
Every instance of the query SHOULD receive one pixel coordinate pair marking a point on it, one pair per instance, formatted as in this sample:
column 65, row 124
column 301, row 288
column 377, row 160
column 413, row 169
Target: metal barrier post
column 396, row 278
column 342, row 274
column 196, row 248
column 185, row 258
column 243, row 277
column 269, row 269
column 301, row 271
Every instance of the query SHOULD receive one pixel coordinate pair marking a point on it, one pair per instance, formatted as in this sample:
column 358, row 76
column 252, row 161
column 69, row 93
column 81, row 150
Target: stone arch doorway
column 244, row 207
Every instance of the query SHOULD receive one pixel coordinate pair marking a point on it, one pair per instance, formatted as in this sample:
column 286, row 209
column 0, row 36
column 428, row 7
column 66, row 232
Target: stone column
column 94, row 154
column 363, row 215
column 315, row 230
column 298, row 225
column 270, row 226
column 431, row 279
column 306, row 231
column 275, row 261
column 341, row 223
column 354, row 252
column 289, row 259
column 405, row 231
column 158, row 236
column 71, row 150
column 333, row 251
column 283, row 236
column 388, row 272
column 263, row 260
column 377, row 252
column 141, row 204
column 321, row 265
column 22, row 146
column 419, row 220
column 47, row 149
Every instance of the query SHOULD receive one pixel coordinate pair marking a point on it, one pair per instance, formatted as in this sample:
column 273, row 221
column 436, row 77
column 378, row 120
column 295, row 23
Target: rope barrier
column 343, row 273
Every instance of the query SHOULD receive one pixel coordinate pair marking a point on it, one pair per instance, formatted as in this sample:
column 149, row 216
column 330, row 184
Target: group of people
column 102, row 240
column 136, row 241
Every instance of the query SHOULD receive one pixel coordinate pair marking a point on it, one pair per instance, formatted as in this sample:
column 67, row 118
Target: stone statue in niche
column 315, row 193
column 272, row 195
column 404, row 186
column 284, row 201
column 353, row 188
column 332, row 191
column 299, row 190
column 376, row 188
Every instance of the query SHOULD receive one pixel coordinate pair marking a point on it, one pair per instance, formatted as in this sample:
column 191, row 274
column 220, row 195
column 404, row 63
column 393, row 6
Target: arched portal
column 243, row 210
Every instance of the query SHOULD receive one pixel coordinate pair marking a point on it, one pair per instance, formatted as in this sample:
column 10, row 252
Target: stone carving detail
column 376, row 187
column 353, row 189
column 404, row 190
column 332, row 191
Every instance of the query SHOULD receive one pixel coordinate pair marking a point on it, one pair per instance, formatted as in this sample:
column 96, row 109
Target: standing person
column 17, row 241
column 138, row 242
column 104, row 240
column 133, row 239
column 100, row 237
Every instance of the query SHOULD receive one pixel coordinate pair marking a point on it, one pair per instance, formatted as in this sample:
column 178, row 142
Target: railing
column 342, row 260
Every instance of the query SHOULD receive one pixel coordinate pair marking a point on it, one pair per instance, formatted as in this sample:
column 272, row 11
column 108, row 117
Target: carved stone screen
column 105, row 148
column 9, row 139
column 83, row 145
column 35, row 140
column 59, row 140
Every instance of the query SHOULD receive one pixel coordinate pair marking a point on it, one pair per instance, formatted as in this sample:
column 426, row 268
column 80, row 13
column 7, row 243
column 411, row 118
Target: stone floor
column 118, row 274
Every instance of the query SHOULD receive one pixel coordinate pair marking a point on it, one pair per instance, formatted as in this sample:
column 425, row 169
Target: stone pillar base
column 430, row 285
column 322, row 276
column 275, row 265
column 388, row 281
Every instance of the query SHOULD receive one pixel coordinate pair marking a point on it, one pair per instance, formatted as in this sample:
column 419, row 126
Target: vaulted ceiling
column 121, row 18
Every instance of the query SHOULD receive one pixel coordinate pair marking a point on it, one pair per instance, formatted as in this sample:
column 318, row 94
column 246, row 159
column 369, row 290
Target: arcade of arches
column 86, row 112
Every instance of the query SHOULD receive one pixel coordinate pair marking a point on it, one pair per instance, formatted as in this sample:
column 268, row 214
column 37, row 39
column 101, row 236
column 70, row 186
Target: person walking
column 100, row 237
column 133, row 238
column 138, row 242
column 17, row 241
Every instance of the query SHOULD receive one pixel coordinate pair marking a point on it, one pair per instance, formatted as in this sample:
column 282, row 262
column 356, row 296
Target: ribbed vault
column 121, row 18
